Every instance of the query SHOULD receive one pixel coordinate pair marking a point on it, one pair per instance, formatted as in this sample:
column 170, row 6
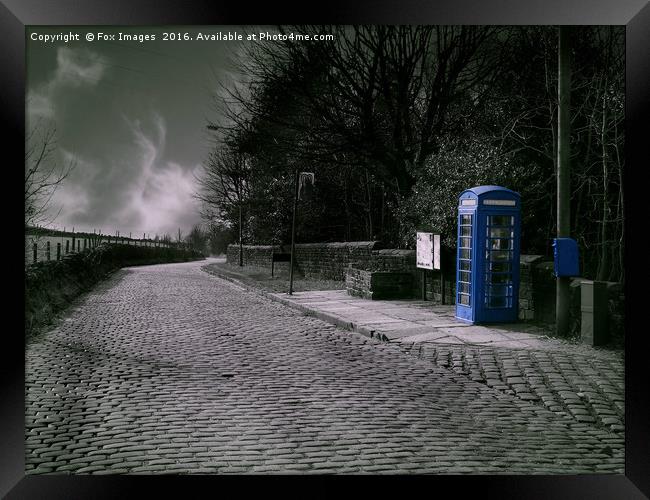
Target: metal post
column 35, row 252
column 442, row 283
column 293, row 234
column 241, row 232
column 562, row 298
column 424, row 284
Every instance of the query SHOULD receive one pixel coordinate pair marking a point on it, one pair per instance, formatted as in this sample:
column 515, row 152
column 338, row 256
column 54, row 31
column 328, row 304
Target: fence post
column 47, row 250
column 58, row 251
column 67, row 246
column 35, row 249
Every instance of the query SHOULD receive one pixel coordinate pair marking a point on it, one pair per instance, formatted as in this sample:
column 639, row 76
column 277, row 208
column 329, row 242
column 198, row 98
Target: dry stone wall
column 327, row 261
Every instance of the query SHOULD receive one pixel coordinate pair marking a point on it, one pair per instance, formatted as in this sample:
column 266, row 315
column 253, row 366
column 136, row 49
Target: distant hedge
column 50, row 286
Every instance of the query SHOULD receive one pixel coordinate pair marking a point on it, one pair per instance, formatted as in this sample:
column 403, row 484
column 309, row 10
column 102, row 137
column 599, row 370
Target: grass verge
column 260, row 277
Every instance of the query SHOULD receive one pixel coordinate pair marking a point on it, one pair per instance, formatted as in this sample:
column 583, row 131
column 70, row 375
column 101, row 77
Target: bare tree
column 381, row 94
column 198, row 238
column 42, row 174
column 364, row 108
column 528, row 134
column 225, row 187
column 224, row 182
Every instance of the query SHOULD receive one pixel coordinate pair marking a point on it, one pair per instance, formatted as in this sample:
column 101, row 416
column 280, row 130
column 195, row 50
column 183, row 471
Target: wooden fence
column 46, row 246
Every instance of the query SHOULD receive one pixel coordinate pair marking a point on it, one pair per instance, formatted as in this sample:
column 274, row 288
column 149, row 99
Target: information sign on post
column 427, row 252
column 427, row 256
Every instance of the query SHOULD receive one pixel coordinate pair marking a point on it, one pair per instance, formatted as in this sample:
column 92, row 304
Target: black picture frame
column 15, row 15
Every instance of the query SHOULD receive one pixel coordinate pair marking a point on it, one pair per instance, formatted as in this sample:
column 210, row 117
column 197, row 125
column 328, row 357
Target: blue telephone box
column 487, row 270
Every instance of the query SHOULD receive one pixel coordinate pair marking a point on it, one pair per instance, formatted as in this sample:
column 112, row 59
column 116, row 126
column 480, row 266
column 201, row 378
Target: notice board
column 427, row 253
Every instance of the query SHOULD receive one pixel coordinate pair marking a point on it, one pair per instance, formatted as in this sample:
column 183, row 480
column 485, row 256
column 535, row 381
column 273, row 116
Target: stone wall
column 388, row 260
column 379, row 285
column 433, row 286
column 527, row 304
column 330, row 261
column 358, row 282
column 327, row 261
column 258, row 255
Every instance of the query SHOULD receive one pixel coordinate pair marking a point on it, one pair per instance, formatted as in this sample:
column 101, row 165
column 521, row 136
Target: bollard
column 58, row 251
column 35, row 249
column 594, row 310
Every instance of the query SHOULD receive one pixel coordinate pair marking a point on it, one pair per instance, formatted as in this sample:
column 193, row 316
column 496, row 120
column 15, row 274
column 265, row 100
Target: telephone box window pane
column 465, row 253
column 464, row 276
column 499, row 278
column 500, row 232
column 466, row 230
column 500, row 255
column 465, row 220
column 501, row 244
column 497, row 301
column 501, row 220
column 466, row 242
column 465, row 265
column 464, row 288
column 498, row 290
column 499, row 267
column 463, row 299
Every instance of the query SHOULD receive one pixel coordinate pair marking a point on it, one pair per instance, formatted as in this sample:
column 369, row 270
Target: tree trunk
column 369, row 194
column 603, row 265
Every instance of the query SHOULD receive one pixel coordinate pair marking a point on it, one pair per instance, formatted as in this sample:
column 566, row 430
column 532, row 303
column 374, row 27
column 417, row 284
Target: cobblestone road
column 587, row 386
column 166, row 369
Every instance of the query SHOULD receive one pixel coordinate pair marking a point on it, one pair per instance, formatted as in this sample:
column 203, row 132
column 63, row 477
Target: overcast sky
column 132, row 116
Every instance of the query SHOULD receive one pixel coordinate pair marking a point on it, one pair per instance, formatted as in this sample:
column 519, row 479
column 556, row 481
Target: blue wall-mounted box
column 565, row 257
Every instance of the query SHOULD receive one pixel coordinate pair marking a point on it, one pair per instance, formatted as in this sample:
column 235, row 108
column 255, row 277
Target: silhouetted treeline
column 395, row 121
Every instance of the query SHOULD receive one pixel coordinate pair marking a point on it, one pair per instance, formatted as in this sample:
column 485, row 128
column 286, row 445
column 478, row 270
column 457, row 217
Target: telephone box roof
column 481, row 190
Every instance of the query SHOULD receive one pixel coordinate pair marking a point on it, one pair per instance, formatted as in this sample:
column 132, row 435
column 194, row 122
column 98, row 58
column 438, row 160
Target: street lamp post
column 241, row 235
column 300, row 179
column 293, row 232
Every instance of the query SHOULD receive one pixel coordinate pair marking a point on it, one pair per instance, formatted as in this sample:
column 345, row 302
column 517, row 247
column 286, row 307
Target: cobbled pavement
column 167, row 369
